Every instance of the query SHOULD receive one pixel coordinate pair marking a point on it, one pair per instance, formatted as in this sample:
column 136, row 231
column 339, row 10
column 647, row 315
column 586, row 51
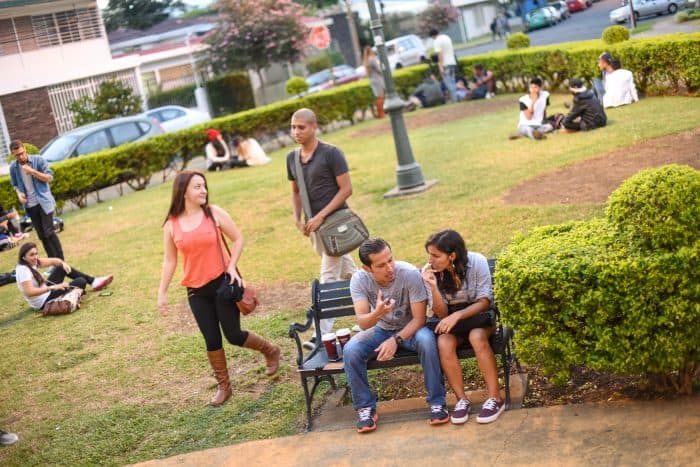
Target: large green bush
column 615, row 34
column 591, row 293
column 518, row 40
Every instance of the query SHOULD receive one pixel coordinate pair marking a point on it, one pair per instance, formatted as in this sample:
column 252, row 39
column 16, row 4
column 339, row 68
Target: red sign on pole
column 320, row 37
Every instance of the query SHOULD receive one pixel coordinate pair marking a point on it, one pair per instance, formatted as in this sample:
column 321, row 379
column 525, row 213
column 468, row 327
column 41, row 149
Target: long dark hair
column 23, row 250
column 449, row 241
column 177, row 200
column 219, row 146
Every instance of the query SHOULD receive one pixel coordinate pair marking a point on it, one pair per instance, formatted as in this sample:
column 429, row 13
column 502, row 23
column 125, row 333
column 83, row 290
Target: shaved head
column 306, row 115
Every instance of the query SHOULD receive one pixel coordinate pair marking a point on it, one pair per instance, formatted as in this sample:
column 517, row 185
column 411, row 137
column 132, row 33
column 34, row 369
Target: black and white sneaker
column 438, row 415
column 367, row 419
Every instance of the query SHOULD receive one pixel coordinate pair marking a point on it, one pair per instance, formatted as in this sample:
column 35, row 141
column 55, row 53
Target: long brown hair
column 177, row 200
column 449, row 241
column 23, row 250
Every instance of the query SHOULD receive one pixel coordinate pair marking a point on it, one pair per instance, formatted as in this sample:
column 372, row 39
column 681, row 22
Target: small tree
column 254, row 34
column 114, row 99
column 436, row 16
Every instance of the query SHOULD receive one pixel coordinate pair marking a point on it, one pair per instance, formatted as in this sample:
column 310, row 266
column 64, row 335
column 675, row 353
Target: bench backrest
column 332, row 300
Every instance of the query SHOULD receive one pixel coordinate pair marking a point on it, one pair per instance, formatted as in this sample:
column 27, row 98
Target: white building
column 51, row 53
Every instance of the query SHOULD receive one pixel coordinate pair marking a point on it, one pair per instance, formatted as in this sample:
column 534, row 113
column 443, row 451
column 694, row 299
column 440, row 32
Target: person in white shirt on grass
column 533, row 111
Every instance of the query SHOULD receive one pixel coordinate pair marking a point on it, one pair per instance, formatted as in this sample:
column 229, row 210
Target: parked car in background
column 576, row 5
column 645, row 8
column 330, row 77
column 100, row 135
column 562, row 8
column 175, row 117
column 538, row 19
column 405, row 51
column 555, row 14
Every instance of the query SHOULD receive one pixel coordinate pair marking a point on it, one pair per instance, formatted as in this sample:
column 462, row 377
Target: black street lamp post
column 408, row 173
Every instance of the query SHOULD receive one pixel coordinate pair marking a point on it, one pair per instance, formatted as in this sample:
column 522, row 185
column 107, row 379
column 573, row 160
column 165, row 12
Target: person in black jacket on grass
column 586, row 113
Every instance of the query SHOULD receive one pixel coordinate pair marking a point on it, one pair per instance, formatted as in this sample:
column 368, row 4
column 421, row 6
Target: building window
column 66, row 26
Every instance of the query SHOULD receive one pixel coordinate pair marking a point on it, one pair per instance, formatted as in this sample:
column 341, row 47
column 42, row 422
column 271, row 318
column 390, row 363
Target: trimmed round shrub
column 296, row 85
column 658, row 208
column 585, row 293
column 519, row 40
column 615, row 34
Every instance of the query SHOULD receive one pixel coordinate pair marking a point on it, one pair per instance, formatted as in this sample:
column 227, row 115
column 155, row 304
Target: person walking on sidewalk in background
column 446, row 61
column 7, row 438
column 36, row 290
column 195, row 228
column 390, row 301
column 30, row 177
column 460, row 284
column 327, row 180
column 376, row 79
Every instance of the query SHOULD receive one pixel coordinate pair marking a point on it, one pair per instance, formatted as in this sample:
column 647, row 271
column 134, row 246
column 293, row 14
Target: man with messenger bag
column 320, row 188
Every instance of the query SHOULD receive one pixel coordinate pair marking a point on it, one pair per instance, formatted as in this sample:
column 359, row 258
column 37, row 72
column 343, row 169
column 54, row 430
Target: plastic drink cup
column 343, row 337
column 329, row 343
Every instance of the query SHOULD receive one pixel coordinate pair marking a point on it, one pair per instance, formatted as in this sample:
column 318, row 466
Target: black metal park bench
column 332, row 300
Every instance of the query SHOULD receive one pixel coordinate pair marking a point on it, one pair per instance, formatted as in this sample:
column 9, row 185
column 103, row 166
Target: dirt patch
column 593, row 180
column 435, row 116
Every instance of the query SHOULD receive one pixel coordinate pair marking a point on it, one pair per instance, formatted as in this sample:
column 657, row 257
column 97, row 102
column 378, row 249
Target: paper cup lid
column 328, row 336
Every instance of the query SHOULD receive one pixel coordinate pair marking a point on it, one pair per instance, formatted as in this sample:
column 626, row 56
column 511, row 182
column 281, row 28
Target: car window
column 169, row 114
column 406, row 44
column 145, row 127
column 93, row 142
column 156, row 114
column 391, row 49
column 319, row 78
column 125, row 132
column 58, row 149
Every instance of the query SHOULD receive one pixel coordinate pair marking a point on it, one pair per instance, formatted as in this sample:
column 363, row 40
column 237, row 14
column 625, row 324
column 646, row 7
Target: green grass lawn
column 115, row 383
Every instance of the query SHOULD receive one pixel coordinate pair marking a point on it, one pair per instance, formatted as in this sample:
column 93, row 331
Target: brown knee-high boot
column 380, row 106
column 269, row 350
column 217, row 359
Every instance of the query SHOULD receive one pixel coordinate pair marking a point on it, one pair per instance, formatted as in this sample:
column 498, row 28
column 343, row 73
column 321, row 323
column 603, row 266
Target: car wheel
column 398, row 66
column 672, row 8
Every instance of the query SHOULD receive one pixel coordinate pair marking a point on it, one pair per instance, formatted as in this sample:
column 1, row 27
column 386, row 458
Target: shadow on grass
column 9, row 320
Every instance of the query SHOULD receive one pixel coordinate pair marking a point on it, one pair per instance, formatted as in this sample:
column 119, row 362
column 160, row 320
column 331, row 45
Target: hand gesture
column 66, row 267
column 60, row 286
column 26, row 168
column 429, row 275
column 384, row 306
column 447, row 324
column 301, row 227
column 235, row 277
column 386, row 349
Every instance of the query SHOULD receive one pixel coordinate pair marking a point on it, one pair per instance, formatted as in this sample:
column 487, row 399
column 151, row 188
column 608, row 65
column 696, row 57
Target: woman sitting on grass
column 250, row 152
column 460, row 283
column 36, row 290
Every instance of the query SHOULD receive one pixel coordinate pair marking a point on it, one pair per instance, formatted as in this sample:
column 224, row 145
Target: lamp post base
column 396, row 191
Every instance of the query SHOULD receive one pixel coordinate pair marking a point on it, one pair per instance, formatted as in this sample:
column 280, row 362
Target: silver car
column 645, row 8
column 175, row 117
column 98, row 136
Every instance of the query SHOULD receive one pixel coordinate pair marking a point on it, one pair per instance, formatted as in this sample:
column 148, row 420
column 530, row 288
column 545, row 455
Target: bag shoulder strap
column 305, row 204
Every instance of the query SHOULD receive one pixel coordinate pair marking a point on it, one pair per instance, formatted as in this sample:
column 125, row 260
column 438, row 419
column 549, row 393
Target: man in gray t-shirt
column 390, row 301
column 327, row 182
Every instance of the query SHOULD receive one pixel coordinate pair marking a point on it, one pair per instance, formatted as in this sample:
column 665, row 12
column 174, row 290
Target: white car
column 405, row 51
column 645, row 8
column 174, row 117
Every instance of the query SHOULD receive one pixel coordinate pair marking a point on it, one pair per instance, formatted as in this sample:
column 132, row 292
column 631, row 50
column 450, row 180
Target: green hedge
column 592, row 293
column 670, row 63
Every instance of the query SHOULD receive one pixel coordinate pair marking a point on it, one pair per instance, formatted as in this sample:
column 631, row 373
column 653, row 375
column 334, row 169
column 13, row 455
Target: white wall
column 58, row 64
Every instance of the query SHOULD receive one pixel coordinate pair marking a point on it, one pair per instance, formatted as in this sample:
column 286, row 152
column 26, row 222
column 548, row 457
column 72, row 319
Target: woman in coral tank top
column 212, row 282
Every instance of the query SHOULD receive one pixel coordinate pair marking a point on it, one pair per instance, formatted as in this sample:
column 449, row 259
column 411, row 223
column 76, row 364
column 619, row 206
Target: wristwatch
column 398, row 339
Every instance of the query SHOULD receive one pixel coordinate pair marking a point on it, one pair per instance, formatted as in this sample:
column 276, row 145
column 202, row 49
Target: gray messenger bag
column 342, row 231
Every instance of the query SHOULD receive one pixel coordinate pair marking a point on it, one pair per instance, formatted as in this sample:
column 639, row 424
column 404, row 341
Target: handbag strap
column 304, row 195
column 221, row 239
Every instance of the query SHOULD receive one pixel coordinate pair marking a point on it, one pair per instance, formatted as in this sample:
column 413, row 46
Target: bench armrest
column 295, row 329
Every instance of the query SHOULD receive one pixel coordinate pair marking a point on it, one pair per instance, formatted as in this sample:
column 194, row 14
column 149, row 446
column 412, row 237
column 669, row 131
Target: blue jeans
column 448, row 77
column 360, row 349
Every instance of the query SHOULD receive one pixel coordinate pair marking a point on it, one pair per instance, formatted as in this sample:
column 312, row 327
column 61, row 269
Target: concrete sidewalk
column 661, row 433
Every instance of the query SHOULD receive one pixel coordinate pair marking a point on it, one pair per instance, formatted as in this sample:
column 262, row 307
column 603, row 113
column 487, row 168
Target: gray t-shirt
column 30, row 191
column 320, row 172
column 477, row 284
column 406, row 289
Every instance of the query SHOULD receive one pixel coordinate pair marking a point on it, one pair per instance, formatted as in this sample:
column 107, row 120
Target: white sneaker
column 101, row 282
column 8, row 438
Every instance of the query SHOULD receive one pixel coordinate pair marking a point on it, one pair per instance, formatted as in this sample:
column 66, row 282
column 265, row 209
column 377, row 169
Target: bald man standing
column 327, row 181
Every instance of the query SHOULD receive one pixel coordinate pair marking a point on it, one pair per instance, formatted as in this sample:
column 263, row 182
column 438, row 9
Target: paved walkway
column 663, row 433
column 668, row 26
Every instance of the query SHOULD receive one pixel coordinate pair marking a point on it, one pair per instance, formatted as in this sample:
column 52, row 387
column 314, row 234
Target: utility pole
column 353, row 34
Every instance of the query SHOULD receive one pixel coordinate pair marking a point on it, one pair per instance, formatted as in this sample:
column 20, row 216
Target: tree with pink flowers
column 253, row 34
